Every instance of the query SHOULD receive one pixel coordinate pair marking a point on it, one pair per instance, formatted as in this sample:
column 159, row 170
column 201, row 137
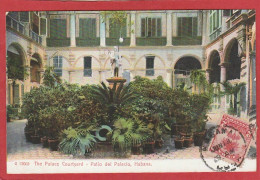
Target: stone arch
column 96, row 59
column 38, row 57
column 213, row 66
column 123, row 56
column 35, row 66
column 58, row 54
column 20, row 50
column 187, row 55
column 16, row 54
column 159, row 57
column 182, row 68
column 232, row 55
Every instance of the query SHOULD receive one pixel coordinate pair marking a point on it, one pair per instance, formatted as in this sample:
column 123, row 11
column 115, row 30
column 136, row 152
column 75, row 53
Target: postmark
column 226, row 145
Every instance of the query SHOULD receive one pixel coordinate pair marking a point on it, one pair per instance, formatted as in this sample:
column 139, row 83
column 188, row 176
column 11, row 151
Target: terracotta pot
column 187, row 142
column 137, row 149
column 44, row 141
column 53, row 144
column 178, row 143
column 159, row 143
column 198, row 138
column 36, row 139
column 176, row 128
column 28, row 135
column 149, row 147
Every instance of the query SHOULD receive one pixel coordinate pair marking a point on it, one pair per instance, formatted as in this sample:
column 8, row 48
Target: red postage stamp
column 232, row 139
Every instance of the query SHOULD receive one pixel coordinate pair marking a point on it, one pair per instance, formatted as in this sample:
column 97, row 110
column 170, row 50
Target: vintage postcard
column 131, row 91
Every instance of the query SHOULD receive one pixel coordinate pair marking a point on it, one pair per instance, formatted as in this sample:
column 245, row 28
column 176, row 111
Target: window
column 87, row 28
column 87, row 66
column 58, row 28
column 116, row 30
column 150, row 66
column 215, row 20
column 57, row 64
column 151, row 27
column 187, row 26
column 34, row 22
column 43, row 26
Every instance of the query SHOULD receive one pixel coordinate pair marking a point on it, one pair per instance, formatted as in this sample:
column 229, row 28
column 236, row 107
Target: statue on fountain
column 115, row 62
column 116, row 68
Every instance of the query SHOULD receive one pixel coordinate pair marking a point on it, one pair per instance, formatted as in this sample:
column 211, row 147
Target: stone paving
column 18, row 148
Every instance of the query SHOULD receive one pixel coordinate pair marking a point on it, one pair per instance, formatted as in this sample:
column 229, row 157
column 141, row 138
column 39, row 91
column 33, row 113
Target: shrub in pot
column 200, row 104
column 77, row 141
column 140, row 135
column 178, row 141
column 121, row 137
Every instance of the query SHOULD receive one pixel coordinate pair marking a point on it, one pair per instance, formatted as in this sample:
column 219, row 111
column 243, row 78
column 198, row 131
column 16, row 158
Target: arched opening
column 214, row 67
column 16, row 72
column 183, row 68
column 234, row 61
column 35, row 65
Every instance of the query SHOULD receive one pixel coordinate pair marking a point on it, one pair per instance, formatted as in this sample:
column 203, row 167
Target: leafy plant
column 76, row 141
column 233, row 91
column 113, row 98
column 121, row 137
column 50, row 78
column 15, row 70
column 199, row 106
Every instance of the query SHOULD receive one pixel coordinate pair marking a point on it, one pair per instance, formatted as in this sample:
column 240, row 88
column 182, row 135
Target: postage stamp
column 232, row 139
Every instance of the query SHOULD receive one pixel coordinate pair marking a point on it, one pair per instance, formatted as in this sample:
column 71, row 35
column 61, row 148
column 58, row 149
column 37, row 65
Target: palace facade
column 151, row 43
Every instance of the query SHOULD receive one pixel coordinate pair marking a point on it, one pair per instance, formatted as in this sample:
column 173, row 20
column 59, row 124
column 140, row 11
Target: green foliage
column 232, row 90
column 15, row 69
column 112, row 99
column 199, row 106
column 76, row 141
column 50, row 78
column 50, row 110
column 117, row 17
column 155, row 89
column 128, row 133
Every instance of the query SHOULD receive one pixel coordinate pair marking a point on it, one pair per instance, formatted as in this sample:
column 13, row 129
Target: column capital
column 224, row 64
column 208, row 70
column 169, row 70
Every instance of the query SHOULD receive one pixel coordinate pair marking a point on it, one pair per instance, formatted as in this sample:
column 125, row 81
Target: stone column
column 223, row 72
column 102, row 31
column 132, row 32
column 169, row 77
column 71, row 74
column 174, row 25
column 205, row 27
column 101, row 75
column 223, row 78
column 72, row 30
column 132, row 74
column 27, row 81
column 10, row 93
column 169, row 28
column 41, row 72
column 208, row 71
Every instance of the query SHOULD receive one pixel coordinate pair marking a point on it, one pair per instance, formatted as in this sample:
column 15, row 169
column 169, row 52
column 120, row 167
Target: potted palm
column 121, row 137
column 77, row 141
column 141, row 133
column 232, row 88
column 200, row 104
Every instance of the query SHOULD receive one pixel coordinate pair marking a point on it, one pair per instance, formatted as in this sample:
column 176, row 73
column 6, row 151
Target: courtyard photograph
column 146, row 89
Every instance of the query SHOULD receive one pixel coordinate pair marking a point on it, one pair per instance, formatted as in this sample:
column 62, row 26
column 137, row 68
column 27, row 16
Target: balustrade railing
column 14, row 24
column 35, row 37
